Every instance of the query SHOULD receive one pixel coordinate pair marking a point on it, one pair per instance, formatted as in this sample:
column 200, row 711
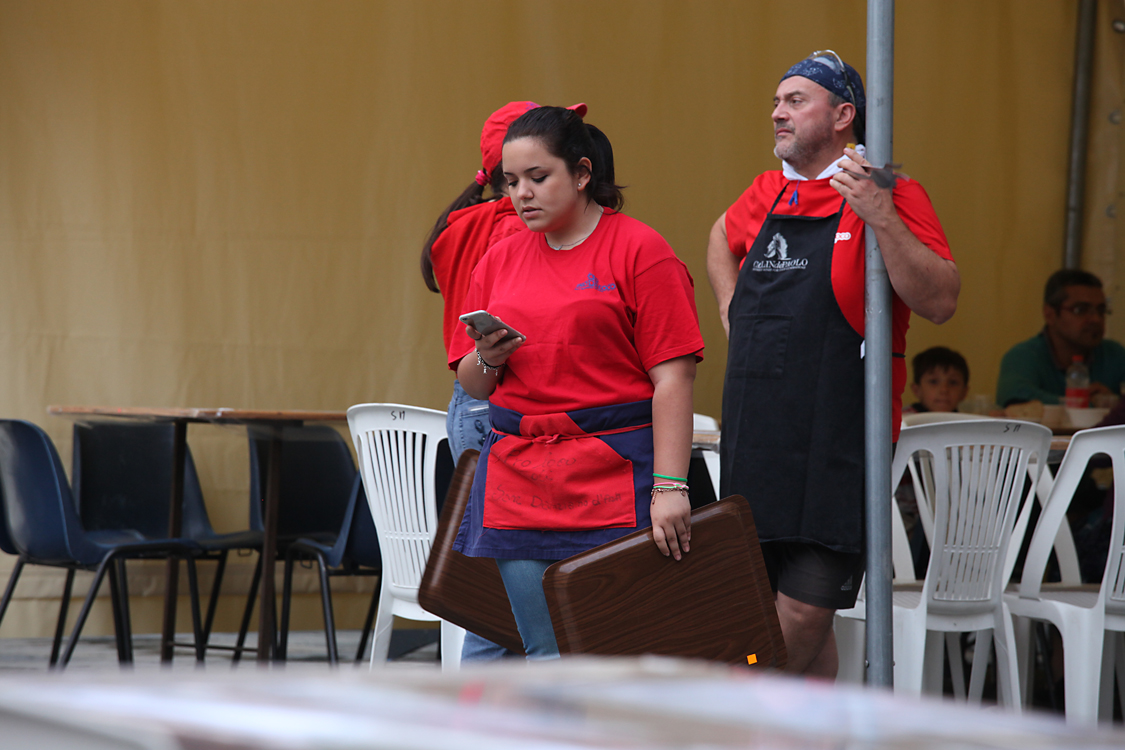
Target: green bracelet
column 674, row 479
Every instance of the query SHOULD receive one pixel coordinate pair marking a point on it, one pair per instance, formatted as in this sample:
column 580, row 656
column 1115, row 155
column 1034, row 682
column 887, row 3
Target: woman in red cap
column 464, row 231
column 591, row 402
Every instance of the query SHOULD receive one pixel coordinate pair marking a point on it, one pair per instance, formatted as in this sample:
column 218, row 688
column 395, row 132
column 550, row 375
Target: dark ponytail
column 470, row 196
column 604, row 189
column 565, row 136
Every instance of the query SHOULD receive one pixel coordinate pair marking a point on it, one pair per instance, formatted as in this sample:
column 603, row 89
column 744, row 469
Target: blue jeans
column 466, row 422
column 523, row 580
column 467, row 425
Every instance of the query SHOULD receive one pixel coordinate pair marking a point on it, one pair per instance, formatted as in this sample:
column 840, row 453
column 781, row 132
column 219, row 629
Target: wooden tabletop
column 190, row 414
column 705, row 439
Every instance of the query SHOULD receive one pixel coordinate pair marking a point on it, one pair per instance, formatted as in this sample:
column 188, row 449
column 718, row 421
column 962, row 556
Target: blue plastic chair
column 355, row 553
column 316, row 492
column 9, row 546
column 43, row 527
column 122, row 475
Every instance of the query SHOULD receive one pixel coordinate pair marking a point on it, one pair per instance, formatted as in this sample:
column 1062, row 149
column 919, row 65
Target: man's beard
column 802, row 149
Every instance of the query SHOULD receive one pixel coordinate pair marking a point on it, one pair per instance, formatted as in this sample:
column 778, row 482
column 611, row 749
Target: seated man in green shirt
column 1074, row 312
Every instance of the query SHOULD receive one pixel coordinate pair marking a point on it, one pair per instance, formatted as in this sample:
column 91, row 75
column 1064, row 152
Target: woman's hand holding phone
column 499, row 343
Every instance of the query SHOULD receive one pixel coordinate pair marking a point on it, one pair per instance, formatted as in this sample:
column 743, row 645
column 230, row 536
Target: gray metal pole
column 1079, row 132
column 877, row 358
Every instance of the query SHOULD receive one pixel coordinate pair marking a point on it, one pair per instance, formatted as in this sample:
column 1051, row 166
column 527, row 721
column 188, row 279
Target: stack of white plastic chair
column 1091, row 622
column 397, row 447
column 979, row 471
column 710, row 457
column 1066, row 556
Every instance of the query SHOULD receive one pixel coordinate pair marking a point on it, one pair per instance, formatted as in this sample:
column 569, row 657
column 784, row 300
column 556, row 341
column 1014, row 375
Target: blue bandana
column 824, row 71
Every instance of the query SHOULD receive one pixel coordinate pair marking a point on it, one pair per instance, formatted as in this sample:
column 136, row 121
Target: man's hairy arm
column 722, row 268
column 926, row 282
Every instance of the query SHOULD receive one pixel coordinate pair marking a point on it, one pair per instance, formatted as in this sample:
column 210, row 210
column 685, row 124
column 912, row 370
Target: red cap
column 496, row 127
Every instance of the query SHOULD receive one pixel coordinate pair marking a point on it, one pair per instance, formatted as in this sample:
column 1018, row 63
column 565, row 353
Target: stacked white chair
column 979, row 469
column 1066, row 555
column 710, row 457
column 1090, row 621
column 397, row 447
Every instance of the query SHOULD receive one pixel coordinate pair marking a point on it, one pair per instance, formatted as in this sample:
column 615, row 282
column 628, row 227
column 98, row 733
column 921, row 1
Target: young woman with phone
column 591, row 405
column 470, row 225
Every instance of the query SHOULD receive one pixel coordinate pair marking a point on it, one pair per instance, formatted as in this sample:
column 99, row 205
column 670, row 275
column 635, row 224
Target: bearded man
column 793, row 426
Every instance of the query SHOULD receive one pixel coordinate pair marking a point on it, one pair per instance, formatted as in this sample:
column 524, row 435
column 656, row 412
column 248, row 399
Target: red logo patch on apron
column 559, row 480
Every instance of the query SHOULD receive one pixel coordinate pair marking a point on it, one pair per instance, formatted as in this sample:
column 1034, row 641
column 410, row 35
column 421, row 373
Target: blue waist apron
column 550, row 486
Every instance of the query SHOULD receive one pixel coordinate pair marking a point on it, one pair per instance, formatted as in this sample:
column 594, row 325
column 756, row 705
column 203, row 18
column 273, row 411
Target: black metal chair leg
column 286, row 600
column 368, row 622
column 326, row 603
column 11, row 587
column 248, row 612
column 115, row 603
column 123, row 606
column 83, row 613
column 64, row 607
column 213, row 602
column 196, row 617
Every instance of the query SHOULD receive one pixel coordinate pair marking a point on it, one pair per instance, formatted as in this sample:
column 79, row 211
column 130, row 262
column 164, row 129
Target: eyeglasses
column 1084, row 309
column 834, row 62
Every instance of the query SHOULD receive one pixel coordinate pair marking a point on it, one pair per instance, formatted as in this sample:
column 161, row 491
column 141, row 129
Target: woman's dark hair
column 565, row 136
column 470, row 196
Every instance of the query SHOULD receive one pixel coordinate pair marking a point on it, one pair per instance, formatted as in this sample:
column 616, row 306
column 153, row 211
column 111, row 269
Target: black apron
column 792, row 431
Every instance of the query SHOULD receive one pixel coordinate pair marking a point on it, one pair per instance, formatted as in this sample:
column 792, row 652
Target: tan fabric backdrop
column 1103, row 244
column 221, row 203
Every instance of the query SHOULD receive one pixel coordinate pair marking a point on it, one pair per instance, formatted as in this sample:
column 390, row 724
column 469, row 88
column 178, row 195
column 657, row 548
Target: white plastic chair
column 922, row 478
column 979, row 470
column 850, row 623
column 710, row 458
column 1090, row 622
column 1066, row 553
column 397, row 447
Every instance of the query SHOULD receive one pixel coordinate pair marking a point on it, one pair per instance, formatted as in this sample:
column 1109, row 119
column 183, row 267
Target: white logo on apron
column 778, row 248
column 777, row 257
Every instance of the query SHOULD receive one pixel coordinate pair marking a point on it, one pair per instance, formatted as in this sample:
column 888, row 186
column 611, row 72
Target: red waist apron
column 552, row 476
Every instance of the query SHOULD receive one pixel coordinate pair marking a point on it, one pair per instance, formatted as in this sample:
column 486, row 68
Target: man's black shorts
column 813, row 574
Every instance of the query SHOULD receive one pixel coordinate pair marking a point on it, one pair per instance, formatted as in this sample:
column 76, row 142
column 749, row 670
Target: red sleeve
column 746, row 215
column 917, row 212
column 460, row 344
column 667, row 324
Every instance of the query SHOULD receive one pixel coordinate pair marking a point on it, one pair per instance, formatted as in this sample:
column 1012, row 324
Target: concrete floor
column 416, row 647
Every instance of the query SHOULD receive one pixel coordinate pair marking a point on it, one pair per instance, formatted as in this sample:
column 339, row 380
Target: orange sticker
column 752, row 659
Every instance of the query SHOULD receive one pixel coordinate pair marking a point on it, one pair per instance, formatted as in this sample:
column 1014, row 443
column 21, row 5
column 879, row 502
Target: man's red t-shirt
column 818, row 198
column 596, row 317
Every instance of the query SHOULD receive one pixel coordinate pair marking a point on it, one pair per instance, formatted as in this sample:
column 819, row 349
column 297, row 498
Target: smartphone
column 485, row 324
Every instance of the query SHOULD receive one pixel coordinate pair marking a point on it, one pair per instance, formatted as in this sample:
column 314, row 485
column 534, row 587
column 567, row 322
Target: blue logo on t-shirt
column 591, row 282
